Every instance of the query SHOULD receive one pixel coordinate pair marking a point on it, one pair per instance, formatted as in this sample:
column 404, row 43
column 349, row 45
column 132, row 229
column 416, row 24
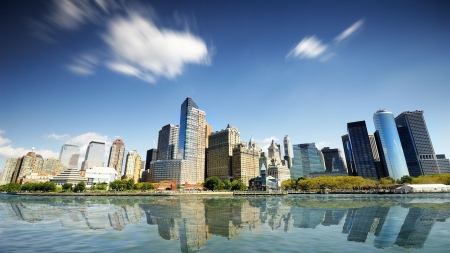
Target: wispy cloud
column 311, row 47
column 56, row 136
column 353, row 28
column 133, row 44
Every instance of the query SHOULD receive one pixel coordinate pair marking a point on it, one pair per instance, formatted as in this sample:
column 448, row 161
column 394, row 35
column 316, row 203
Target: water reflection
column 394, row 222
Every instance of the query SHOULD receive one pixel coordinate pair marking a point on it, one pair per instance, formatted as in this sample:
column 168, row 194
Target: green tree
column 227, row 185
column 237, row 185
column 67, row 187
column 80, row 187
column 12, row 187
column 213, row 184
column 406, row 179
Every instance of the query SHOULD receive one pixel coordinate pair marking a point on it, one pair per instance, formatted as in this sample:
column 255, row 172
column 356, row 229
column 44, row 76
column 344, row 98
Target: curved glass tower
column 391, row 151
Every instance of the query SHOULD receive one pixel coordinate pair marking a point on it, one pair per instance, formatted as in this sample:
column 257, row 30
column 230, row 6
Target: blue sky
column 81, row 71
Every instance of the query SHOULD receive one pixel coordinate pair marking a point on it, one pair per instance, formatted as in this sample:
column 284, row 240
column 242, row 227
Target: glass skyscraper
column 69, row 155
column 348, row 155
column 333, row 160
column 306, row 159
column 390, row 150
column 416, row 143
column 94, row 155
column 168, row 142
column 361, row 150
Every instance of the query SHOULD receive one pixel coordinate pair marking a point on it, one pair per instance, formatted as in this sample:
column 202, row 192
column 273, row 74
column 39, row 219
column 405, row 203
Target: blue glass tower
column 390, row 150
column 187, row 132
column 306, row 159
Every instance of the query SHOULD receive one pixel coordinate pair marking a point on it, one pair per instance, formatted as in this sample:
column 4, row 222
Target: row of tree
column 356, row 183
column 128, row 185
column 216, row 184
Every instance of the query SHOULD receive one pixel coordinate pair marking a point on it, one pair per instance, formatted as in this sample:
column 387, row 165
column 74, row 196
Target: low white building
column 96, row 175
column 415, row 188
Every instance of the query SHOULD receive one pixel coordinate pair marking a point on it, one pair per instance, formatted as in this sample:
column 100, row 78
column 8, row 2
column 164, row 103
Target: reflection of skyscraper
column 94, row 155
column 393, row 158
column 116, row 220
column 69, row 155
column 391, row 227
column 362, row 223
column 116, row 157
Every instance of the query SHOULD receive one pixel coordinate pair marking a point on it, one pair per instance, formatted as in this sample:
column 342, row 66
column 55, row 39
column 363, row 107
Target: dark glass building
column 348, row 155
column 152, row 155
column 333, row 160
column 361, row 149
column 416, row 143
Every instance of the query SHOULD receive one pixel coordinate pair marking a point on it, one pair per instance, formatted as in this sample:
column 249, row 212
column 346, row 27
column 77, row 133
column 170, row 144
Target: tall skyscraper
column 274, row 153
column 220, row 152
column 192, row 140
column 416, row 143
column 361, row 149
column 307, row 158
column 168, row 142
column 27, row 164
column 94, row 155
column 69, row 155
column 116, row 155
column 333, row 160
column 391, row 149
column 287, row 151
column 348, row 155
column 245, row 162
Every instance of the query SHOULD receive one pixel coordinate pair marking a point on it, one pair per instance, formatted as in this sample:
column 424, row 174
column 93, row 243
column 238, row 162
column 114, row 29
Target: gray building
column 94, row 155
column 152, row 155
column 416, row 143
column 333, row 160
column 168, row 142
column 69, row 155
column 287, row 151
column 306, row 159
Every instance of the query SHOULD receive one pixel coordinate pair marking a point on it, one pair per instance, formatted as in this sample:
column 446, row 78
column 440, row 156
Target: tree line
column 216, row 184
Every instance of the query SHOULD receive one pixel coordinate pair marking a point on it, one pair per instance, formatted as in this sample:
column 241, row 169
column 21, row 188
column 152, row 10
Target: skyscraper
column 287, row 151
column 391, row 149
column 416, row 143
column 361, row 149
column 220, row 152
column 116, row 155
column 69, row 155
column 245, row 162
column 8, row 171
column 168, row 142
column 132, row 166
column 152, row 155
column 348, row 155
column 94, row 155
column 307, row 158
column 333, row 160
column 274, row 153
column 192, row 140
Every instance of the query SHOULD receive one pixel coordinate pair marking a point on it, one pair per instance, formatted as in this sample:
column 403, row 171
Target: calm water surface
column 295, row 223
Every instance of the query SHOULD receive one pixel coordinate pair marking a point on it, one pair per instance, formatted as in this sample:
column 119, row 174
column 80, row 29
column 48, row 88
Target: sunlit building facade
column 168, row 142
column 8, row 171
column 132, row 166
column 116, row 154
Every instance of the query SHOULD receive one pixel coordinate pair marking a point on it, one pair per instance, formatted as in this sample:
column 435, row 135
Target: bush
column 213, row 184
column 80, row 187
column 67, row 187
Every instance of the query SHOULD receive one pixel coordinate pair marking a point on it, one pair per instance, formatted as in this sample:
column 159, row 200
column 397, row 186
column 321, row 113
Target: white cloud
column 145, row 51
column 8, row 152
column 83, row 141
column 56, row 136
column 84, row 64
column 4, row 141
column 269, row 140
column 309, row 47
column 353, row 28
column 321, row 144
column 2, row 131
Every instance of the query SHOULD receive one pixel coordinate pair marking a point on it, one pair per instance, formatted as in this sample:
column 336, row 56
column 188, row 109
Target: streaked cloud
column 133, row 44
column 309, row 47
column 145, row 51
column 56, row 136
column 353, row 28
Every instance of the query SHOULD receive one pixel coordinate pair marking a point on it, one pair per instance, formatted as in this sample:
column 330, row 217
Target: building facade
column 287, row 151
column 94, row 155
column 175, row 169
column 307, row 158
column 245, row 162
column 132, row 166
column 192, row 139
column 168, row 142
column 416, row 143
column 69, row 155
column 220, row 152
column 8, row 171
column 52, row 166
column 361, row 150
column 333, row 160
column 116, row 154
column 152, row 155
column 390, row 147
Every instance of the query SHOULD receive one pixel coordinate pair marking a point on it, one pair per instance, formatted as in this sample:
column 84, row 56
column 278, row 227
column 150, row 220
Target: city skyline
column 340, row 62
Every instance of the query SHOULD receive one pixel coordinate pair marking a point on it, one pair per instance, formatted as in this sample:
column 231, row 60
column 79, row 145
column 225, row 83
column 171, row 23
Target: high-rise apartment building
column 94, row 155
column 287, row 151
column 220, row 152
column 52, row 166
column 333, row 160
column 116, row 154
column 390, row 148
column 69, row 155
column 274, row 153
column 361, row 150
column 416, row 143
column 27, row 164
column 132, row 166
column 307, row 158
column 168, row 142
column 192, row 140
column 8, row 171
